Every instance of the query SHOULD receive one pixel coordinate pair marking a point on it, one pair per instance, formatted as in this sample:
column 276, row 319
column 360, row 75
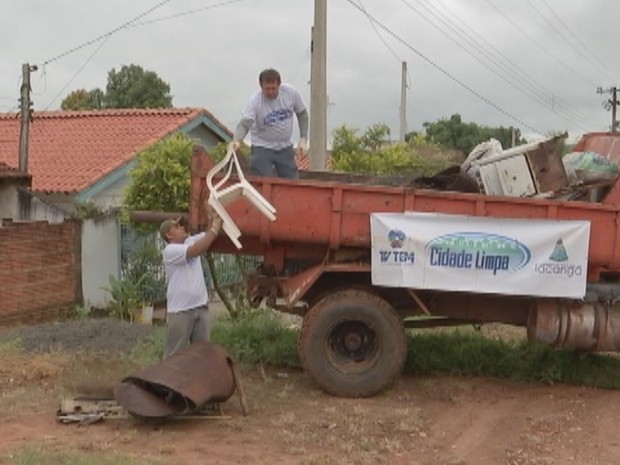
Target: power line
column 297, row 68
column 185, row 13
column 467, row 43
column 132, row 23
column 579, row 41
column 400, row 60
column 126, row 25
column 513, row 67
column 443, row 71
column 554, row 27
column 539, row 45
column 379, row 35
column 511, row 70
column 106, row 35
column 77, row 72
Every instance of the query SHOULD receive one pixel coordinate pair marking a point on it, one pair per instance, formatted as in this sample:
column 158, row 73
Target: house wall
column 8, row 200
column 112, row 196
column 40, row 276
column 64, row 202
column 204, row 137
column 30, row 208
column 9, row 191
column 17, row 204
column 100, row 259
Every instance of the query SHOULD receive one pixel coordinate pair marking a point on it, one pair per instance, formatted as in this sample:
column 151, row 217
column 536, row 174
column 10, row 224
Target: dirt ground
column 418, row 421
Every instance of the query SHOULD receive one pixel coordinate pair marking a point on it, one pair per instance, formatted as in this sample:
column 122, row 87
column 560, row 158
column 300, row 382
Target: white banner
column 477, row 254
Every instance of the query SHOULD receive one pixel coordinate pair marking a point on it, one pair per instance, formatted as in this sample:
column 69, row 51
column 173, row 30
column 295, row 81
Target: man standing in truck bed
column 269, row 116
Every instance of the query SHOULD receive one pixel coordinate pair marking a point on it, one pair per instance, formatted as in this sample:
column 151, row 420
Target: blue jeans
column 264, row 161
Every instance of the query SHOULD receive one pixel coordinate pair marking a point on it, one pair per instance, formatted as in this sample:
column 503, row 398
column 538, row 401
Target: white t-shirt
column 186, row 282
column 273, row 119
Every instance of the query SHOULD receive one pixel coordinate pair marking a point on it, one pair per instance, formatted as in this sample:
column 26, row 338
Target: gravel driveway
column 93, row 335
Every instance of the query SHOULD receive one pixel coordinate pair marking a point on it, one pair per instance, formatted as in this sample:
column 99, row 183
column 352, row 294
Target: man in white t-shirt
column 269, row 117
column 187, row 318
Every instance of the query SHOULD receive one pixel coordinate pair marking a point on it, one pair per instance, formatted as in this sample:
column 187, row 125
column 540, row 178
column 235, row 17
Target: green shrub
column 258, row 337
column 151, row 349
column 125, row 298
column 462, row 353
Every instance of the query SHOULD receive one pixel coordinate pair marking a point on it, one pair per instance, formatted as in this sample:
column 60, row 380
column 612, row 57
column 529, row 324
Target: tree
column 81, row 99
column 160, row 180
column 455, row 134
column 131, row 87
column 370, row 153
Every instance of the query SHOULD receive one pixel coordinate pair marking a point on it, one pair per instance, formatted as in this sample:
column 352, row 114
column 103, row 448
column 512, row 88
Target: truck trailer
column 316, row 261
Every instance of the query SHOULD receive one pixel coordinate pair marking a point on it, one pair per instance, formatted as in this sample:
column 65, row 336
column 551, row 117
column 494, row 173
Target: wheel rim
column 352, row 347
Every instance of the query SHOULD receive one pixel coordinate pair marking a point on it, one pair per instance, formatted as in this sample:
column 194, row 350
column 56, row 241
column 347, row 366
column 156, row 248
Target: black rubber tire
column 352, row 343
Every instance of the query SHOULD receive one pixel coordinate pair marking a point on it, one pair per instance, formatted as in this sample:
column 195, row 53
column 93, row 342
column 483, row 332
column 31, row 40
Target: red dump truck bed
column 333, row 212
column 352, row 340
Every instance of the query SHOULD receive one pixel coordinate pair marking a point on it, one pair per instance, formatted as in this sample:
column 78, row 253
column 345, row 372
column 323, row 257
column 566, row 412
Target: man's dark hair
column 269, row 75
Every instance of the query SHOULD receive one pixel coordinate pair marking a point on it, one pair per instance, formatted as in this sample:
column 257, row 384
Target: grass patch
column 149, row 349
column 261, row 338
column 462, row 353
column 32, row 456
column 258, row 337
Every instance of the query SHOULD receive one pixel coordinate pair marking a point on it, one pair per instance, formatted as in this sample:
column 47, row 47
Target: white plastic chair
column 218, row 199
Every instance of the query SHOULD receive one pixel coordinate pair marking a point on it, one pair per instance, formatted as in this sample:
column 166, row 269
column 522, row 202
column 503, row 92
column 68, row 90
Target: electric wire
column 579, row 41
column 107, row 34
column 128, row 24
column 570, row 44
column 510, row 69
column 44, row 77
column 183, row 13
column 92, row 55
column 400, row 60
column 540, row 45
column 470, row 46
column 379, row 35
column 444, row 71
column 306, row 57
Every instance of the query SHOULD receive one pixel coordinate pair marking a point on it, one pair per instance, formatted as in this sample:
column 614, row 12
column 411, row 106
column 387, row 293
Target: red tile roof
column 303, row 163
column 71, row 150
column 7, row 172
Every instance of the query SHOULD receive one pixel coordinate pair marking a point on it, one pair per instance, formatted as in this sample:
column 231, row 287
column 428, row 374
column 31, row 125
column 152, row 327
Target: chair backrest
column 218, row 199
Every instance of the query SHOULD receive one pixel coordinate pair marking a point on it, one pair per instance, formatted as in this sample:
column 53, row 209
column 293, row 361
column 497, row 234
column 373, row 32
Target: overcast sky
column 532, row 64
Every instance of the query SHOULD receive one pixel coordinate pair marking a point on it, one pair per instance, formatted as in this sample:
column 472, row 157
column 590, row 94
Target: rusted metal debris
column 86, row 411
column 592, row 326
column 203, row 373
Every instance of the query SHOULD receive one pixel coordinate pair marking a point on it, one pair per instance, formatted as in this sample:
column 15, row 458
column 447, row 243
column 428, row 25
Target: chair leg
column 242, row 399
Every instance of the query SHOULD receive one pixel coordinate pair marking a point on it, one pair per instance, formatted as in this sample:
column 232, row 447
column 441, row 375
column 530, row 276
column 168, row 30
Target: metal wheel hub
column 353, row 341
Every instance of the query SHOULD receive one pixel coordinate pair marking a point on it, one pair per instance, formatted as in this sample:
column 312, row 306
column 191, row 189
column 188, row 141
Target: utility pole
column 25, row 116
column 403, row 102
column 611, row 104
column 318, row 88
column 614, row 103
